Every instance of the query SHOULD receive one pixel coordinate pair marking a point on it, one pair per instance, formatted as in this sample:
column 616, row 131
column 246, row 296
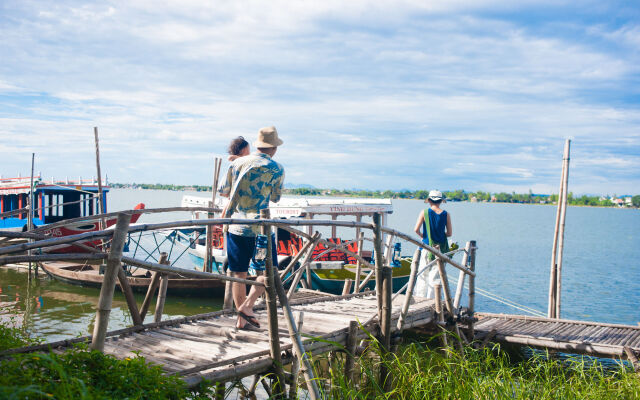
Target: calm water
column 601, row 272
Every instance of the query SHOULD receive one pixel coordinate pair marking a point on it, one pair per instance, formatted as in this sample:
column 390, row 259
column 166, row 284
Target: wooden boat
column 324, row 276
column 54, row 202
column 90, row 275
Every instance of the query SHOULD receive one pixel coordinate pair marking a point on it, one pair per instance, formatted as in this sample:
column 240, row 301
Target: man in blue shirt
column 252, row 182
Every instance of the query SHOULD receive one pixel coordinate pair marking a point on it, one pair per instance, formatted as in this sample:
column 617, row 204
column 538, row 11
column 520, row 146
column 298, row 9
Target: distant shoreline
column 452, row 196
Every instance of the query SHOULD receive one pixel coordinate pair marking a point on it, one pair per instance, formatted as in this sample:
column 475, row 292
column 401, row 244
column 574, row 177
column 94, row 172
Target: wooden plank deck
column 581, row 337
column 211, row 347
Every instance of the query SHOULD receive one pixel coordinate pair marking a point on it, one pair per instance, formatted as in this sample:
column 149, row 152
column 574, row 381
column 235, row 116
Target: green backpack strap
column 428, row 225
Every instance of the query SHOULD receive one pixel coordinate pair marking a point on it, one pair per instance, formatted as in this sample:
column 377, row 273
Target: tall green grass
column 423, row 372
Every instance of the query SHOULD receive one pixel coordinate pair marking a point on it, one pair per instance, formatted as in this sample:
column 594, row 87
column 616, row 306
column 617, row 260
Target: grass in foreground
column 83, row 374
column 420, row 372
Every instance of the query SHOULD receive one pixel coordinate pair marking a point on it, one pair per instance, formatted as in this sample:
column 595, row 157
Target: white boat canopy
column 307, row 208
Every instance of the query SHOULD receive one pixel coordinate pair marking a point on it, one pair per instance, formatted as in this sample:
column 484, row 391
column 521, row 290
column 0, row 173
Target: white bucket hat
column 268, row 137
column 435, row 195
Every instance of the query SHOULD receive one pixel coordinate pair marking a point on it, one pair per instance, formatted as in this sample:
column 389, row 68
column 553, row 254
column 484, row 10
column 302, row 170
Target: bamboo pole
column 228, row 293
column 305, row 264
column 296, row 258
column 445, row 285
column 377, row 249
column 153, row 285
column 186, row 272
column 415, row 262
column 461, row 277
column 472, row 289
column 162, row 296
column 352, row 341
column 553, row 276
column 272, row 312
column 385, row 327
column 109, row 282
column 356, row 286
column 388, row 250
column 633, row 359
column 100, row 193
column 295, row 365
column 296, row 340
column 437, row 290
column 563, row 216
column 128, row 295
column 347, row 286
column 207, row 267
column 30, row 215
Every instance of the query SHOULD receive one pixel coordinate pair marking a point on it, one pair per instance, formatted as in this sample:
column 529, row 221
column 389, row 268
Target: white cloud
column 388, row 91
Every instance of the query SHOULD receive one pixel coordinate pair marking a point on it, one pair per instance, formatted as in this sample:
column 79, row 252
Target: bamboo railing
column 380, row 269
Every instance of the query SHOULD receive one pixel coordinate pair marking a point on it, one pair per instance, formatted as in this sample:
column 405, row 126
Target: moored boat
column 90, row 275
column 332, row 267
column 53, row 203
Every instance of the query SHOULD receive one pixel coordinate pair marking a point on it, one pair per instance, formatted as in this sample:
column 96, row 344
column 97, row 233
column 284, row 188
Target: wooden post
column 128, row 295
column 563, row 216
column 347, row 286
column 415, row 262
column 356, row 286
column 633, row 359
column 385, row 327
column 445, row 285
column 352, row 341
column 30, row 215
column 461, row 277
column 333, row 227
column 559, row 227
column 272, row 311
column 437, row 290
column 472, row 290
column 162, row 296
column 377, row 249
column 109, row 282
column 153, row 285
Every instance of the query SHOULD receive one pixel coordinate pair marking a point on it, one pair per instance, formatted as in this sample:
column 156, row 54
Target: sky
column 475, row 95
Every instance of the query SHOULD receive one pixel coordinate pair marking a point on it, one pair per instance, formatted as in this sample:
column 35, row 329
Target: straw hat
column 435, row 195
column 268, row 137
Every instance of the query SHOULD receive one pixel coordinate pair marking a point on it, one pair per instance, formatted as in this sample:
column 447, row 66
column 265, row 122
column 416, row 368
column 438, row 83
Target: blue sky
column 477, row 95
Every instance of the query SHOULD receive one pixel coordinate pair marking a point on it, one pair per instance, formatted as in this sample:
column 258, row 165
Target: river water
column 601, row 271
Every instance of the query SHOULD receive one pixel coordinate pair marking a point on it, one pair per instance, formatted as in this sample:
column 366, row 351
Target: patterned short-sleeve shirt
column 259, row 180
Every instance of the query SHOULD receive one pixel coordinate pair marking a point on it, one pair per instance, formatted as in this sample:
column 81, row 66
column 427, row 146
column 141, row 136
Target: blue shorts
column 240, row 250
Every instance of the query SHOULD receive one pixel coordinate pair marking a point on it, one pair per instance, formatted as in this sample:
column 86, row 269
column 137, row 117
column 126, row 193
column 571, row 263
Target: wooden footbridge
column 210, row 346
column 579, row 337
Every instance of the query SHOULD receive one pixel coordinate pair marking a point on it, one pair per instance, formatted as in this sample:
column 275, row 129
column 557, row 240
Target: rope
column 505, row 301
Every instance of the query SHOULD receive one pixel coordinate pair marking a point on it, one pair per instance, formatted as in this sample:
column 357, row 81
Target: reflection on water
column 55, row 310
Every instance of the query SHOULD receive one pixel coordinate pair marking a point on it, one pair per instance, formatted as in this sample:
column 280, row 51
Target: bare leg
column 247, row 306
column 239, row 290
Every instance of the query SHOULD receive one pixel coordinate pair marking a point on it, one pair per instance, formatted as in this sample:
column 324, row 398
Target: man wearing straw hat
column 251, row 183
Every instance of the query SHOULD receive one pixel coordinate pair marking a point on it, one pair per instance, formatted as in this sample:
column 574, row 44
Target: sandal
column 251, row 320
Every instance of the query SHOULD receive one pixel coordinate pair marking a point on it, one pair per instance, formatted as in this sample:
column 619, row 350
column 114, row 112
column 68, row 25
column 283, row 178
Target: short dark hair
column 237, row 145
column 435, row 201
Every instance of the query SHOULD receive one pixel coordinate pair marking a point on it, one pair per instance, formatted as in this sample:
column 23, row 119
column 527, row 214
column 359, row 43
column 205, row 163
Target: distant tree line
column 461, row 195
